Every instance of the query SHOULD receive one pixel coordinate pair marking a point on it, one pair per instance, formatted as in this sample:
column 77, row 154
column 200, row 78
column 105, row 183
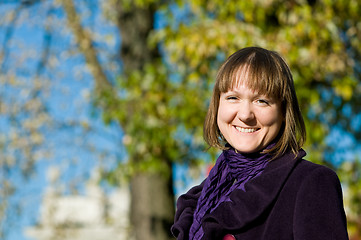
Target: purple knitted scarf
column 231, row 171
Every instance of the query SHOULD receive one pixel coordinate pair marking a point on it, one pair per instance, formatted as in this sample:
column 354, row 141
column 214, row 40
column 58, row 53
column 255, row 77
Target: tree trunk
column 152, row 197
column 152, row 206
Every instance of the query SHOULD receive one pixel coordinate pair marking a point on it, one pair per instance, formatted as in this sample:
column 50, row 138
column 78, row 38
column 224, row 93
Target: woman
column 260, row 187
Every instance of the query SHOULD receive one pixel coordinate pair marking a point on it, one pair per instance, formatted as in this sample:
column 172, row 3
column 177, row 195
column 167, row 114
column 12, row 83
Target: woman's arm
column 319, row 212
column 186, row 204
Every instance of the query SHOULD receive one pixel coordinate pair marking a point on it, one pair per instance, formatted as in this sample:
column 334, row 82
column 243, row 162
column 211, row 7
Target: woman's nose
column 245, row 112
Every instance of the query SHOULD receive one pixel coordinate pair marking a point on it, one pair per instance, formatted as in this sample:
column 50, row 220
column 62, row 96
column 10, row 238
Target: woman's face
column 247, row 120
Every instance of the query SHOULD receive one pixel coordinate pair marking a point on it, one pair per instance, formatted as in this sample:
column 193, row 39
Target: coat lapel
column 245, row 207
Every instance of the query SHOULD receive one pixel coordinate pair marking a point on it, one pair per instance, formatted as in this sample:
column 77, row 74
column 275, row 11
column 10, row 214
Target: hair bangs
column 261, row 73
column 265, row 78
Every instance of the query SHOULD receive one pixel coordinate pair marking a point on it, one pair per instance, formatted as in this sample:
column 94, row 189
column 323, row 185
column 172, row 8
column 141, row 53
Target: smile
column 246, row 130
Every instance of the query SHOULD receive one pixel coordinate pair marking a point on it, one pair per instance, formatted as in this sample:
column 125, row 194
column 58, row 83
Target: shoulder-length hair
column 268, row 74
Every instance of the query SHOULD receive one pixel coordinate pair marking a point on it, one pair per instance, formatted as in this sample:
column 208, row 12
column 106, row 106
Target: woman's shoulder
column 298, row 170
column 313, row 175
column 311, row 168
column 299, row 164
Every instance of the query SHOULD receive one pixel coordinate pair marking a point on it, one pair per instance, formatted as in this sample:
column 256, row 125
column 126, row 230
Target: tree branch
column 8, row 35
column 47, row 38
column 84, row 41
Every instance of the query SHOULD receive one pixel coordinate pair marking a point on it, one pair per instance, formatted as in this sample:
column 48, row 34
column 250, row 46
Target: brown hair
column 268, row 74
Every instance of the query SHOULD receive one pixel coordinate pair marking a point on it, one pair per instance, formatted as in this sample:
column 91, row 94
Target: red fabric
column 229, row 237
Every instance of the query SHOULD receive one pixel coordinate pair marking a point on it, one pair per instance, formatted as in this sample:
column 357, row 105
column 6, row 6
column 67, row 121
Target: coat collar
column 259, row 194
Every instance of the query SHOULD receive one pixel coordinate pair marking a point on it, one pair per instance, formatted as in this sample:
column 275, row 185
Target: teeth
column 246, row 130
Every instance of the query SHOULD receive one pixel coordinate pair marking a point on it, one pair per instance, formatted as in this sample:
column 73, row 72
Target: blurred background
column 102, row 105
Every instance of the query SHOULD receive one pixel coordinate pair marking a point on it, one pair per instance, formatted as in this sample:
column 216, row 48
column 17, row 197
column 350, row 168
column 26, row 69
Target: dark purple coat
column 292, row 199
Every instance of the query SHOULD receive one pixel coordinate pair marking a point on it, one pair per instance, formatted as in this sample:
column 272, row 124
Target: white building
column 92, row 216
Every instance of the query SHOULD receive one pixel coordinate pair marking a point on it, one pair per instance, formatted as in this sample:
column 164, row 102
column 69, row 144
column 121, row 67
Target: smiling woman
column 247, row 120
column 260, row 187
column 266, row 78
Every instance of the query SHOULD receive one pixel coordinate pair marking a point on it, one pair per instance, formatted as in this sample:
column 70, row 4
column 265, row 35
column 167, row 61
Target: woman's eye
column 231, row 98
column 262, row 102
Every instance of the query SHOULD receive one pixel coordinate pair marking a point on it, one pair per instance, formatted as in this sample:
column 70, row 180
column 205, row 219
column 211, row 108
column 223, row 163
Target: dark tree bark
column 152, row 206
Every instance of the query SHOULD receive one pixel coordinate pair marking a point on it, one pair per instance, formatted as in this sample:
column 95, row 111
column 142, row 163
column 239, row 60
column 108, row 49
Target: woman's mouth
column 246, row 130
